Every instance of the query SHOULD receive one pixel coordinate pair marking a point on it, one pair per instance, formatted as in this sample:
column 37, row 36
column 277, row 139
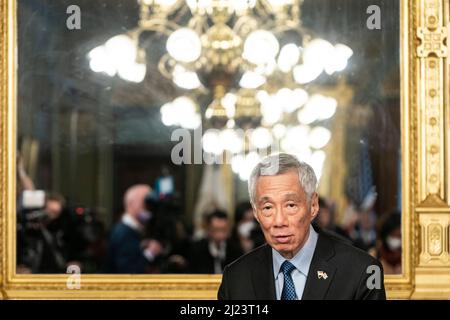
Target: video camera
column 31, row 211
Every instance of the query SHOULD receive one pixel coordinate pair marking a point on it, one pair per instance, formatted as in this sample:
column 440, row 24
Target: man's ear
column 314, row 205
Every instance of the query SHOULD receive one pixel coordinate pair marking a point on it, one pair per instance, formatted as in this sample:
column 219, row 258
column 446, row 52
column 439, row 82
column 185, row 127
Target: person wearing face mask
column 128, row 252
column 246, row 231
column 390, row 246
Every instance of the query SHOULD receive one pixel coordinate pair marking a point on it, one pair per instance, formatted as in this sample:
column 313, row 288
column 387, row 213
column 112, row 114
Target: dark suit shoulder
column 122, row 232
column 352, row 262
column 352, row 270
column 246, row 260
column 249, row 277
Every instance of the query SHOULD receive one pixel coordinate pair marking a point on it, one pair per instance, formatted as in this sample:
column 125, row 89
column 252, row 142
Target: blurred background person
column 128, row 251
column 326, row 219
column 51, row 235
column 365, row 233
column 43, row 235
column 359, row 221
column 87, row 245
column 246, row 231
column 210, row 255
column 177, row 259
column 167, row 227
column 390, row 243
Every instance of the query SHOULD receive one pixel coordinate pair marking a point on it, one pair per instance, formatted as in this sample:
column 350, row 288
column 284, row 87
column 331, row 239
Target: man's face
column 218, row 230
column 53, row 209
column 135, row 200
column 284, row 212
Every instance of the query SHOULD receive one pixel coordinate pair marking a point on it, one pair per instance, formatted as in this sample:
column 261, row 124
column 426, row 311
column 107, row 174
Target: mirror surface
column 108, row 110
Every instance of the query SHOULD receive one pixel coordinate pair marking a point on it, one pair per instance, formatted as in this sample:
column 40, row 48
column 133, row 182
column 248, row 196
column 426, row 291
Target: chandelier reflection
column 251, row 58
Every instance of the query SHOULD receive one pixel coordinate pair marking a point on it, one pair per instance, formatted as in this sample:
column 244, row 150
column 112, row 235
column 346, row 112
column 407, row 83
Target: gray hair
column 280, row 163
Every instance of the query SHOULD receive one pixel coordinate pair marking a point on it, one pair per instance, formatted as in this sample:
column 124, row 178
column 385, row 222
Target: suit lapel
column 321, row 271
column 262, row 275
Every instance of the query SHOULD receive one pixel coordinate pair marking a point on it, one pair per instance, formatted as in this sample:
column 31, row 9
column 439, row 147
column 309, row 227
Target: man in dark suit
column 128, row 252
column 298, row 262
column 210, row 255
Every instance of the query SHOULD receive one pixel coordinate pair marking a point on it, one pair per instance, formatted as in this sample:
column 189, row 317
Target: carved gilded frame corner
column 425, row 122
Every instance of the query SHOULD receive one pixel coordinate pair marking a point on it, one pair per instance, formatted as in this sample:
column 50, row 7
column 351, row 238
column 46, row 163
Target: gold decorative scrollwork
column 431, row 51
column 433, row 197
column 435, row 239
column 425, row 199
column 432, row 42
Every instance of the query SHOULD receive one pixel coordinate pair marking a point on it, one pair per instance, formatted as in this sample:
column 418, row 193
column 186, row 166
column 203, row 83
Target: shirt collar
column 217, row 251
column 302, row 259
column 131, row 222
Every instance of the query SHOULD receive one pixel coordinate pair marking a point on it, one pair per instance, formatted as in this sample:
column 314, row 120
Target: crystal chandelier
column 251, row 58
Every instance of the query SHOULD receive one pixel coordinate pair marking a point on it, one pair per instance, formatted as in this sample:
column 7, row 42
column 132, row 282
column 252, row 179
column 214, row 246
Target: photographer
column 43, row 236
column 167, row 227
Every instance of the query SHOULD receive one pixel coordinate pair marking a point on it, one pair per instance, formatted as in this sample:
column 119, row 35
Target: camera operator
column 42, row 237
column 167, row 227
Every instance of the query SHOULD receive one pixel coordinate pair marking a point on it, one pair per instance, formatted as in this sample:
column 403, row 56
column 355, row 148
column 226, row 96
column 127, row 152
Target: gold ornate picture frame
column 425, row 123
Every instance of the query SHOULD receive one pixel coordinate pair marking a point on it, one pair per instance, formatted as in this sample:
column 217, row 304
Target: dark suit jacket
column 201, row 260
column 251, row 276
column 124, row 251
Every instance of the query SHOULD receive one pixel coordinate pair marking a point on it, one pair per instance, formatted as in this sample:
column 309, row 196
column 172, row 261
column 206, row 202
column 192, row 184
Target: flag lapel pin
column 322, row 275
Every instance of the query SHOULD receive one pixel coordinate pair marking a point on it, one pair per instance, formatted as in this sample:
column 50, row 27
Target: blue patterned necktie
column 288, row 292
